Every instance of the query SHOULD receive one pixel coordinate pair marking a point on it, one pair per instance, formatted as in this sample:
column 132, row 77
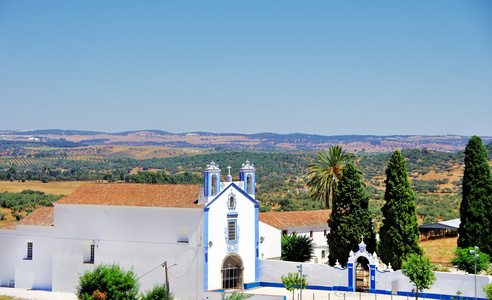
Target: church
column 209, row 236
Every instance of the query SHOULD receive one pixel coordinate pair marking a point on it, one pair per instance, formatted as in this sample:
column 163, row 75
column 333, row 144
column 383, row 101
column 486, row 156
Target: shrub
column 158, row 292
column 465, row 260
column 297, row 248
column 235, row 296
column 110, row 280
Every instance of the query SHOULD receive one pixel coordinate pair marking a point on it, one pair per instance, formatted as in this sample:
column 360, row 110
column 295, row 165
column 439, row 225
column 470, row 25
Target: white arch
column 371, row 258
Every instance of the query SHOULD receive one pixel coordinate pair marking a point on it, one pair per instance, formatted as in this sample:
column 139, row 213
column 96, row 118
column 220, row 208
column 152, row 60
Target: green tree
column 487, row 289
column 297, row 248
column 294, row 281
column 465, row 260
column 400, row 231
column 350, row 218
column 419, row 270
column 326, row 173
column 111, row 280
column 476, row 206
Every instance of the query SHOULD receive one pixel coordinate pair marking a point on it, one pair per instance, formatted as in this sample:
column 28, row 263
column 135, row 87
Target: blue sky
column 320, row 67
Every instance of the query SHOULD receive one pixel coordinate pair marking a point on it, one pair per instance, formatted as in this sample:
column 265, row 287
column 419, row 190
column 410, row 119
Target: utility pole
column 167, row 281
column 475, row 255
column 302, row 277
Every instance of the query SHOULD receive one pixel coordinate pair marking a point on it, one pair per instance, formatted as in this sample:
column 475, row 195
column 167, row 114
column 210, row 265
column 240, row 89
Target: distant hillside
column 258, row 141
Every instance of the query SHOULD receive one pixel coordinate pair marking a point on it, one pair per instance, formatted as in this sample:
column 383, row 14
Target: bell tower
column 247, row 177
column 211, row 180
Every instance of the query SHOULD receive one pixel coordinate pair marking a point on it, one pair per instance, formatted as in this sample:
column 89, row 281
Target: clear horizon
column 327, row 68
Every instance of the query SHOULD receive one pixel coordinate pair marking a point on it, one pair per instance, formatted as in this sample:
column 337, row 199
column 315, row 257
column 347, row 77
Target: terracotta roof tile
column 296, row 219
column 133, row 194
column 43, row 216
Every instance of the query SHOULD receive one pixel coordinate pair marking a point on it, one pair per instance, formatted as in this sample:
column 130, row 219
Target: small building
column 311, row 223
column 439, row 229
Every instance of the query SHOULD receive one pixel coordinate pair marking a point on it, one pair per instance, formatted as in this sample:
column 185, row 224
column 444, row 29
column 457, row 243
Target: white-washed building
column 209, row 236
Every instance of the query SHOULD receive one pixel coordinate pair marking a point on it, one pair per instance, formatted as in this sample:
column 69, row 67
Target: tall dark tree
column 350, row 218
column 476, row 204
column 400, row 231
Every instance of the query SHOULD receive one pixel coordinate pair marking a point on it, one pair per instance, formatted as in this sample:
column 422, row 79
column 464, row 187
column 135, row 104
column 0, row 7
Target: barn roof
column 451, row 224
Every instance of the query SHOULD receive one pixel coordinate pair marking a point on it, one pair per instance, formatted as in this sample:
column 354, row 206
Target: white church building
column 209, row 236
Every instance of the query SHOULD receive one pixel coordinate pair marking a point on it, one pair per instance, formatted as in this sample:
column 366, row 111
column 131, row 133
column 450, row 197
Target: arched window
column 214, row 185
column 249, row 184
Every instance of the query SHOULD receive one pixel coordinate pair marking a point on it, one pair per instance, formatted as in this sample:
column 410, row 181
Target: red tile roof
column 43, row 216
column 296, row 219
column 133, row 194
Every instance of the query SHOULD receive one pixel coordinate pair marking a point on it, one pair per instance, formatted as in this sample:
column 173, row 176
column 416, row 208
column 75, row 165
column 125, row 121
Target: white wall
column 271, row 246
column 8, row 246
column 317, row 274
column 217, row 230
column 141, row 238
column 34, row 273
column 446, row 283
column 324, row 275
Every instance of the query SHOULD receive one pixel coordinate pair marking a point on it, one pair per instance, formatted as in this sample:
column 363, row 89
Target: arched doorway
column 362, row 267
column 362, row 275
column 232, row 272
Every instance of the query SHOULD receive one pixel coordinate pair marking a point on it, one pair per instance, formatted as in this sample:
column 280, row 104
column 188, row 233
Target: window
column 92, row 253
column 323, row 253
column 89, row 252
column 214, row 185
column 325, row 232
column 29, row 251
column 311, row 234
column 183, row 233
column 232, row 230
column 284, row 232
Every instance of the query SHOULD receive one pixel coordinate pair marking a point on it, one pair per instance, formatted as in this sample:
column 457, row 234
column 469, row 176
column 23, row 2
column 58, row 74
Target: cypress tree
column 350, row 218
column 400, row 231
column 476, row 204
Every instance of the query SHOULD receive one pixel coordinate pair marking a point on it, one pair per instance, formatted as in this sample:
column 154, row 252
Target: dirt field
column 57, row 188
column 439, row 249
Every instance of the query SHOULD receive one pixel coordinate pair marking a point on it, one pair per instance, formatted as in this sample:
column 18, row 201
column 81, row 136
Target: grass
column 10, row 298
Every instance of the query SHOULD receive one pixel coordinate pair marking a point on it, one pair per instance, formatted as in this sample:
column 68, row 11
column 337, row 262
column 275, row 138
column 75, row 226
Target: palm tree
column 326, row 173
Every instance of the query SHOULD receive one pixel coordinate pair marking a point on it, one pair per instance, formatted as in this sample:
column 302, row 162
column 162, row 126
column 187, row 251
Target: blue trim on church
column 233, row 185
column 205, row 249
column 257, row 243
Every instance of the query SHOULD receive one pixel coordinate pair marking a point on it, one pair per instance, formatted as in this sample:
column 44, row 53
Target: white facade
column 138, row 238
column 209, row 239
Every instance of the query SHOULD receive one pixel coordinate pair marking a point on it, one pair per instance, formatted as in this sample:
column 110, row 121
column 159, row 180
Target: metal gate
column 230, row 278
column 361, row 278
